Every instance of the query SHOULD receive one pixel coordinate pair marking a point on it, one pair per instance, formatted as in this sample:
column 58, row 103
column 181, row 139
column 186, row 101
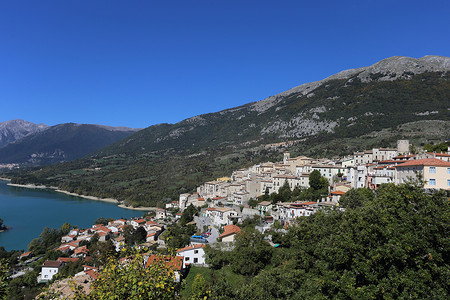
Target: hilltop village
column 217, row 210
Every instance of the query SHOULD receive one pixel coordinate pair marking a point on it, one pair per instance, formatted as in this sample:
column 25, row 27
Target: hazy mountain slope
column 63, row 142
column 327, row 117
column 11, row 131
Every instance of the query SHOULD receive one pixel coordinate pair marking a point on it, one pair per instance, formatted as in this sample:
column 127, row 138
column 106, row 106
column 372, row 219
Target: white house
column 194, row 255
column 49, row 269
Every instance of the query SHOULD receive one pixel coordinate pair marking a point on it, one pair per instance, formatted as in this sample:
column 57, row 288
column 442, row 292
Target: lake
column 28, row 211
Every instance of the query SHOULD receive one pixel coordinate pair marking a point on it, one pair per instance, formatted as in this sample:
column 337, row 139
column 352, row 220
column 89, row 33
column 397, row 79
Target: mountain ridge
column 61, row 142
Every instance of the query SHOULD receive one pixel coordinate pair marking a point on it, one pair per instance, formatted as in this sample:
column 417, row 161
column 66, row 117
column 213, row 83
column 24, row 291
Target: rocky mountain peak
column 13, row 130
column 392, row 68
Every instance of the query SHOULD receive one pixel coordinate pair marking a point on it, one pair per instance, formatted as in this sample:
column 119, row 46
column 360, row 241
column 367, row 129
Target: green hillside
column 160, row 162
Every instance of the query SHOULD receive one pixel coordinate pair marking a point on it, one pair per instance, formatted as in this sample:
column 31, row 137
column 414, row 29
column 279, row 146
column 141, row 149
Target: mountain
column 11, row 131
column 63, row 142
column 396, row 98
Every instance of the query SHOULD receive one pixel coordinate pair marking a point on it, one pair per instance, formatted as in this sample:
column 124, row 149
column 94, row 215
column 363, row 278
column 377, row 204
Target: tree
column 65, row 228
column 132, row 280
column 3, row 279
column 251, row 253
column 285, row 192
column 315, row 180
column 200, row 288
column 356, row 197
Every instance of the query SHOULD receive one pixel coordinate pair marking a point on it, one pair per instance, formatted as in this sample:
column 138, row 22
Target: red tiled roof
column 442, row 154
column 91, row 273
column 68, row 259
column 229, row 230
column 82, row 249
column 175, row 262
column 425, row 162
column 338, row 193
column 191, row 247
column 25, row 254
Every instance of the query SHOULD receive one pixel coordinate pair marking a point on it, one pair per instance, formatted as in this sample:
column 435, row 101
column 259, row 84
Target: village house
column 264, row 207
column 49, row 269
column 229, row 233
column 194, row 255
column 435, row 172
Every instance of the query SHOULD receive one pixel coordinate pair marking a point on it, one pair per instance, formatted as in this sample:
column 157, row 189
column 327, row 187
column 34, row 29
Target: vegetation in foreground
column 391, row 245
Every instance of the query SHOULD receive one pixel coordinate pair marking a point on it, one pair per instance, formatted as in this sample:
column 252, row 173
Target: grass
column 189, row 280
column 235, row 280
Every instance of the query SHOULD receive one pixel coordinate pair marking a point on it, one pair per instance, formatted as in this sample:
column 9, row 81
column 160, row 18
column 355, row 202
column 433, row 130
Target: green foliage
column 200, row 288
column 132, row 280
column 439, row 148
column 188, row 215
column 3, row 279
column 188, row 282
column 48, row 239
column 134, row 236
column 65, row 228
column 70, row 269
column 251, row 253
column 178, row 236
column 390, row 245
column 103, row 220
column 356, row 198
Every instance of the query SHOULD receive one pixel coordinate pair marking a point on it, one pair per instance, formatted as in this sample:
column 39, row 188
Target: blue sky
column 139, row 63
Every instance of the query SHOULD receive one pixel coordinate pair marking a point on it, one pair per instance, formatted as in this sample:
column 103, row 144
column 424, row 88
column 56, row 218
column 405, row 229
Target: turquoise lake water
column 28, row 211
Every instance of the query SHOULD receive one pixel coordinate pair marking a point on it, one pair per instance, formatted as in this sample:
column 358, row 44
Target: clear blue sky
column 138, row 63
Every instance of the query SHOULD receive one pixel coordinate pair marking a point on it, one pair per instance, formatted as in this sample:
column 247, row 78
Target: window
column 195, row 260
column 432, row 181
column 448, row 182
column 195, row 251
column 187, row 258
column 433, row 170
column 448, row 170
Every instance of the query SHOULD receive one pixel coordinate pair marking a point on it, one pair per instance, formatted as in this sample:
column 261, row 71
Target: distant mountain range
column 38, row 144
column 11, row 131
column 399, row 97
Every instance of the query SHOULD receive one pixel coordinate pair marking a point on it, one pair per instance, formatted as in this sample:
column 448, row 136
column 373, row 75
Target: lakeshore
column 27, row 211
column 108, row 200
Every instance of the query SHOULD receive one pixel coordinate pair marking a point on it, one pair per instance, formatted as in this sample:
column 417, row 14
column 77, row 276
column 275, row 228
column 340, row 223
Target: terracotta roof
column 82, row 249
column 338, row 193
column 191, row 247
column 442, row 154
column 52, row 264
column 92, row 273
column 176, row 263
column 68, row 259
column 425, row 162
column 25, row 254
column 229, row 230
